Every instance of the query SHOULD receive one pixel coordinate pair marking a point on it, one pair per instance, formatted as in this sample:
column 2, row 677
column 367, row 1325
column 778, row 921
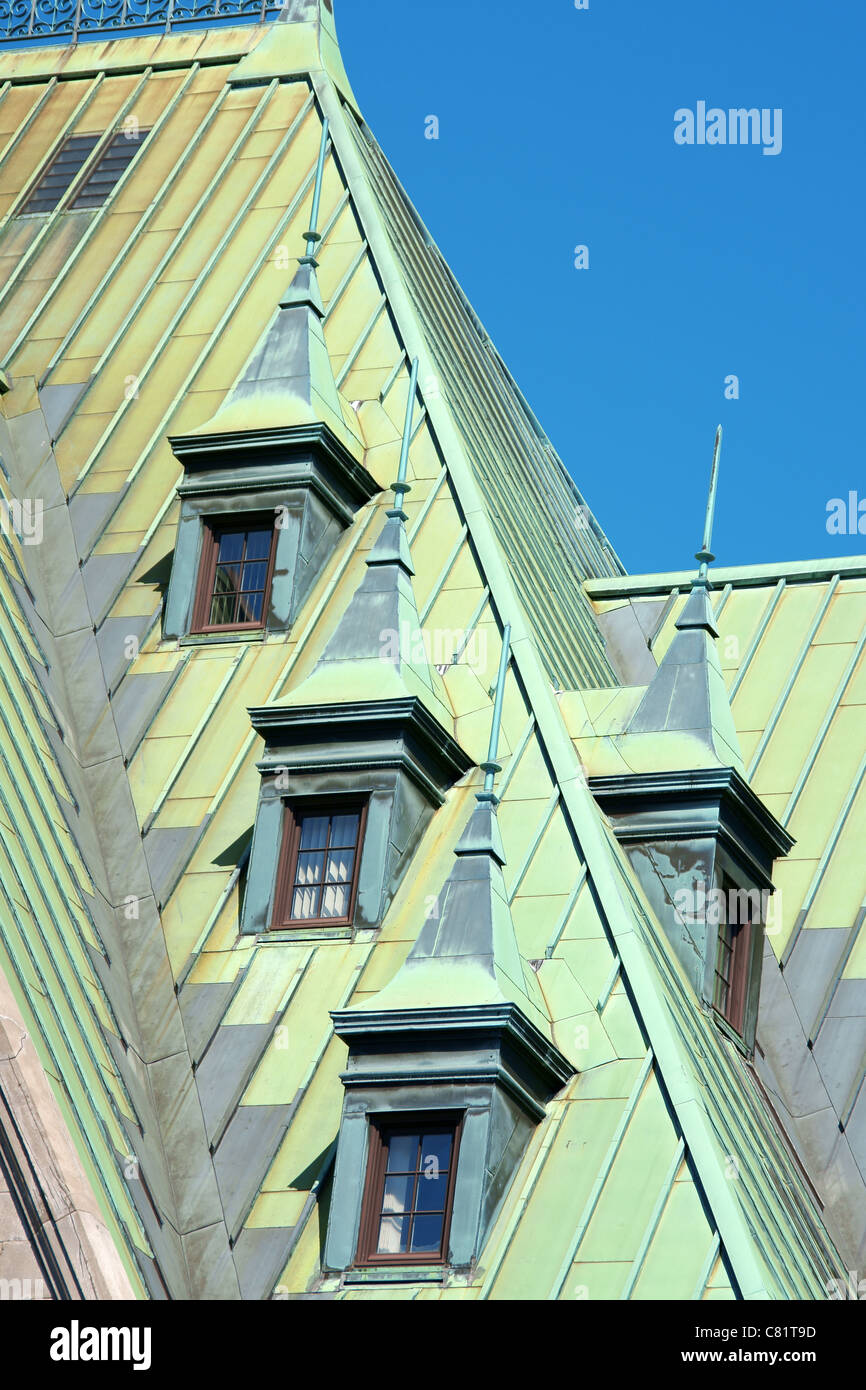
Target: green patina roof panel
column 139, row 332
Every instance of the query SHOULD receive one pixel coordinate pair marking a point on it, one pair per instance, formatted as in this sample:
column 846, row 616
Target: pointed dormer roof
column 687, row 696
column 379, row 649
column 466, row 952
column 289, row 380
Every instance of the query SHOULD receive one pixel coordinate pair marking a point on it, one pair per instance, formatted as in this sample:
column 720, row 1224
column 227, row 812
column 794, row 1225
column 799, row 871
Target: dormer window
column 719, row 842
column 409, row 1191
column 318, row 876
column 733, row 956
column 347, row 791
column 235, row 574
column 279, row 442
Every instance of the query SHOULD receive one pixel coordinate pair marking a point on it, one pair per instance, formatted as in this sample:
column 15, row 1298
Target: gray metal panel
column 104, row 576
column 167, row 852
column 58, row 403
column 856, row 1134
column 260, row 1255
column 107, row 791
column 799, row 1092
column 648, row 615
column 783, row 1040
column 149, row 973
column 202, row 1007
column 88, row 513
column 626, row 645
column 36, row 473
column 245, row 1155
column 136, row 703
column 210, row 1261
column 849, row 1000
column 95, row 737
column 58, row 586
column 839, row 1052
column 198, row 1202
column 112, row 639
column 812, row 965
column 226, row 1069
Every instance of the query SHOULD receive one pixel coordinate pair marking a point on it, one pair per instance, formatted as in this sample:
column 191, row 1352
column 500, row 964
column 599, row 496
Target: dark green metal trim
column 432, row 750
column 681, row 805
column 274, row 446
column 459, row 1022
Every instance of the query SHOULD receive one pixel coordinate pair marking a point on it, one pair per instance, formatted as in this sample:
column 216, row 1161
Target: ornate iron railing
column 46, row 21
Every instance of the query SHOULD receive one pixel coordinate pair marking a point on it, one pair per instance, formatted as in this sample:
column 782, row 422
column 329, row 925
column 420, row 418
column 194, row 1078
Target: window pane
column 398, row 1193
column 723, row 950
column 435, row 1153
column 226, row 579
column 250, row 608
column 222, row 610
column 259, row 544
column 402, row 1153
column 344, row 830
column 314, row 832
column 393, row 1235
column 254, row 576
column 231, row 549
column 340, row 862
column 304, row 904
column 309, row 868
column 236, row 575
column 427, row 1234
column 335, row 902
column 432, row 1191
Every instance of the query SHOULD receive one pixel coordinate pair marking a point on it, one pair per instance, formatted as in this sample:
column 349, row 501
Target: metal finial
column 490, row 767
column 313, row 234
column 705, row 555
column 401, row 487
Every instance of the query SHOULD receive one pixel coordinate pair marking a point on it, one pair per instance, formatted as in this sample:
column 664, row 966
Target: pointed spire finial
column 705, row 555
column 490, row 766
column 313, row 235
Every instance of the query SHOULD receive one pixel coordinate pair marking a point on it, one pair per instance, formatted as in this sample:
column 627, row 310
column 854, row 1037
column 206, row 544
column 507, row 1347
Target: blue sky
column 556, row 129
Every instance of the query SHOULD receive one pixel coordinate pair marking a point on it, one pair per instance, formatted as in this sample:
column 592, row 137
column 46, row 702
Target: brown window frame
column 381, row 1126
column 294, row 811
column 212, row 529
column 734, row 1009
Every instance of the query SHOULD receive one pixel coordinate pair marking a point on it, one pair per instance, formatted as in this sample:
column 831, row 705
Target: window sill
column 396, row 1274
column 730, row 1032
column 207, row 639
column 293, row 934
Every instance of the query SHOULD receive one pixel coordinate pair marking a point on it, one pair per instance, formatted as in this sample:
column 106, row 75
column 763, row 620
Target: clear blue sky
column 556, row 129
